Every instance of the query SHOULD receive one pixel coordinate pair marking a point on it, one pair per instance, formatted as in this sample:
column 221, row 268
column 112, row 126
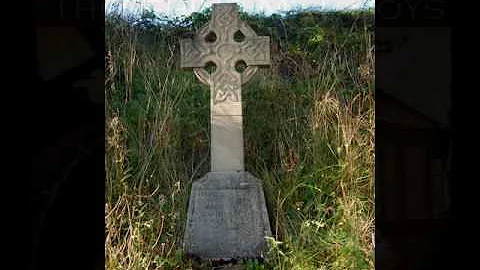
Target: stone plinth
column 227, row 217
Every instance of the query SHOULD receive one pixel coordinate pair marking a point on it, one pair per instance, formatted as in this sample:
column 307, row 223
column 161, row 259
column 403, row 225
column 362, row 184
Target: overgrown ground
column 309, row 135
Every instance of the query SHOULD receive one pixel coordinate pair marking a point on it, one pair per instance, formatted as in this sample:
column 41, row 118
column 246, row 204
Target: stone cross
column 227, row 215
column 225, row 42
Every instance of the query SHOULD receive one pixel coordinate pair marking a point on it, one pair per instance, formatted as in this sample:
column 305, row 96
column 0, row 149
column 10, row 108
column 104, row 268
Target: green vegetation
column 309, row 135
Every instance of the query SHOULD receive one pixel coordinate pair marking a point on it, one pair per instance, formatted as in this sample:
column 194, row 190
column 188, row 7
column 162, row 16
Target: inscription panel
column 226, row 215
column 226, row 222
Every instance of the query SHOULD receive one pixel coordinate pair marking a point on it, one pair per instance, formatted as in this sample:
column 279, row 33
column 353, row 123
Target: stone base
column 227, row 217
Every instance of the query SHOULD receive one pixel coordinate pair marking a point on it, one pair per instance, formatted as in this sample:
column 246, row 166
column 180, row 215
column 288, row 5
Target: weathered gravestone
column 227, row 216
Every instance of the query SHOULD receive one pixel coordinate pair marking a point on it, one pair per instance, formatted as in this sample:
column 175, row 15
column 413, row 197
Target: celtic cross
column 225, row 42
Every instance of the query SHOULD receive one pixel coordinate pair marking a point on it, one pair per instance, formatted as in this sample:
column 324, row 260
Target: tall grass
column 311, row 141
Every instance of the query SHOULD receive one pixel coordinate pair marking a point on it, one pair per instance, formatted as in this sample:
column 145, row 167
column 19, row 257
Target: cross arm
column 255, row 51
column 191, row 55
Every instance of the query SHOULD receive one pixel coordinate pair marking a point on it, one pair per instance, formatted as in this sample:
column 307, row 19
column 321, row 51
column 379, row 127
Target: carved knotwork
column 225, row 52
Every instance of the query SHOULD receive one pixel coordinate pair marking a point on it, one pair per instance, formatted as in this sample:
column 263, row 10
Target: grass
column 310, row 140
